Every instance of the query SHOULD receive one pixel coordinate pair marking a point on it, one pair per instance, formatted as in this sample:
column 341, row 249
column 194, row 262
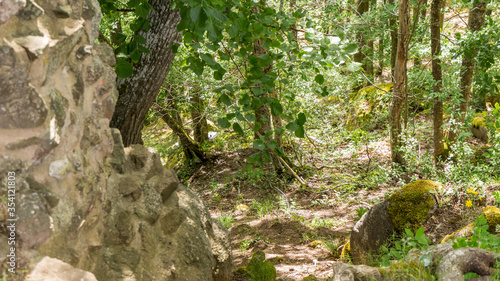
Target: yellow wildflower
column 470, row 190
column 468, row 203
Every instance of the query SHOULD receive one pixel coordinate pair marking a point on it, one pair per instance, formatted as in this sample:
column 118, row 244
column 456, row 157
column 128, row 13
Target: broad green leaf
column 276, row 108
column 224, row 123
column 292, row 126
column 142, row 11
column 207, row 58
column 301, row 120
column 354, row 66
column 120, row 37
column 237, row 128
column 257, row 91
column 219, row 74
column 124, row 68
column 225, row 99
column 254, row 158
column 250, row 117
column 195, row 13
column 319, row 79
column 351, row 49
column 300, row 132
column 230, row 116
column 259, row 144
column 139, row 39
column 279, row 130
column 267, row 156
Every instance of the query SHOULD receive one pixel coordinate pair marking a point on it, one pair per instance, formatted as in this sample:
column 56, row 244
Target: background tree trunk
column 394, row 41
column 417, row 62
column 437, row 76
column 399, row 82
column 476, row 21
column 362, row 7
column 200, row 127
column 138, row 92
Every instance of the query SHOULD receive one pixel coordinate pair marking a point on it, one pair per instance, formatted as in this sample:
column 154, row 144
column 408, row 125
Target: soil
column 324, row 210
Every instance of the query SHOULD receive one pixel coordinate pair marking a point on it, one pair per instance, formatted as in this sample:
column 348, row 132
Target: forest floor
column 302, row 229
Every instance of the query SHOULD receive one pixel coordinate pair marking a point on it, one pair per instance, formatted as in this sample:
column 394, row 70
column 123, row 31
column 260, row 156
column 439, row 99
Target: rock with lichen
column 412, row 205
column 492, row 215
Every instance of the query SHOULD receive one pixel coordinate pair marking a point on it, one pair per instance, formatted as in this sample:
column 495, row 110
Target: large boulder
column 82, row 198
column 408, row 207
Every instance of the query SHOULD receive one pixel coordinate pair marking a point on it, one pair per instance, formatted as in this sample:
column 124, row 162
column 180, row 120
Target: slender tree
column 400, row 77
column 437, row 75
column 394, row 40
column 475, row 23
column 138, row 92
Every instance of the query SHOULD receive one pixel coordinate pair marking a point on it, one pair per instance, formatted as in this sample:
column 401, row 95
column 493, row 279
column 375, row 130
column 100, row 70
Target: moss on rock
column 409, row 207
column 492, row 215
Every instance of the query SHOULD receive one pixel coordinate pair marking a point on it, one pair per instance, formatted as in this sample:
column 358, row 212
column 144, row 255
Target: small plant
column 258, row 269
column 360, row 212
column 481, row 238
column 245, row 245
column 401, row 247
column 496, row 195
column 226, row 220
column 262, row 208
column 317, row 223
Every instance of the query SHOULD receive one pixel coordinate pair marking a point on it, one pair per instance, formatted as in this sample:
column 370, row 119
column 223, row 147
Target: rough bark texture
column 419, row 15
column 138, row 92
column 476, row 21
column 394, row 41
column 437, row 76
column 362, row 7
column 399, row 81
column 184, row 138
column 200, row 127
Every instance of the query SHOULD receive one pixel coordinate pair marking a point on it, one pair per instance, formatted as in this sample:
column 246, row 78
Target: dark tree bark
column 138, row 92
column 200, row 127
column 362, row 7
column 476, row 21
column 437, row 76
column 420, row 16
column 190, row 147
column 394, row 41
column 399, row 82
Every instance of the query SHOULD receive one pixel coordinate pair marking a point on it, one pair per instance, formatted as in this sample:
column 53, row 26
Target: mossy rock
column 478, row 120
column 258, row 269
column 310, row 278
column 492, row 215
column 410, row 206
column 466, row 231
column 315, row 244
column 346, row 251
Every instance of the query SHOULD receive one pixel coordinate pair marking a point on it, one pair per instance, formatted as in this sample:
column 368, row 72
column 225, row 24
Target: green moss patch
column 409, row 207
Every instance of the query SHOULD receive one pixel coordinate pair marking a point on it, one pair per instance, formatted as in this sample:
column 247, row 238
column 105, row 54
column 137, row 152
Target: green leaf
column 225, row 99
column 124, row 68
column 142, row 11
column 259, row 144
column 292, row 126
column 301, row 120
column 224, row 123
column 267, row 156
column 354, row 66
column 254, row 158
column 351, row 49
column 276, row 108
column 300, row 132
column 208, row 59
column 120, row 37
column 237, row 128
column 194, row 13
column 319, row 79
column 279, row 130
column 257, row 91
column 139, row 39
column 250, row 117
column 219, row 74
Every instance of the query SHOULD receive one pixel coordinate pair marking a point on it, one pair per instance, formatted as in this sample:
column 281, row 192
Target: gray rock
column 347, row 272
column 31, row 11
column 9, row 8
column 56, row 270
column 370, row 232
column 34, row 223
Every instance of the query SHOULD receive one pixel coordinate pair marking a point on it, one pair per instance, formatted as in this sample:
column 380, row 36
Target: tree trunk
column 417, row 62
column 399, row 81
column 437, row 76
column 191, row 147
column 138, row 92
column 200, row 127
column 394, row 41
column 476, row 21
column 362, row 7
